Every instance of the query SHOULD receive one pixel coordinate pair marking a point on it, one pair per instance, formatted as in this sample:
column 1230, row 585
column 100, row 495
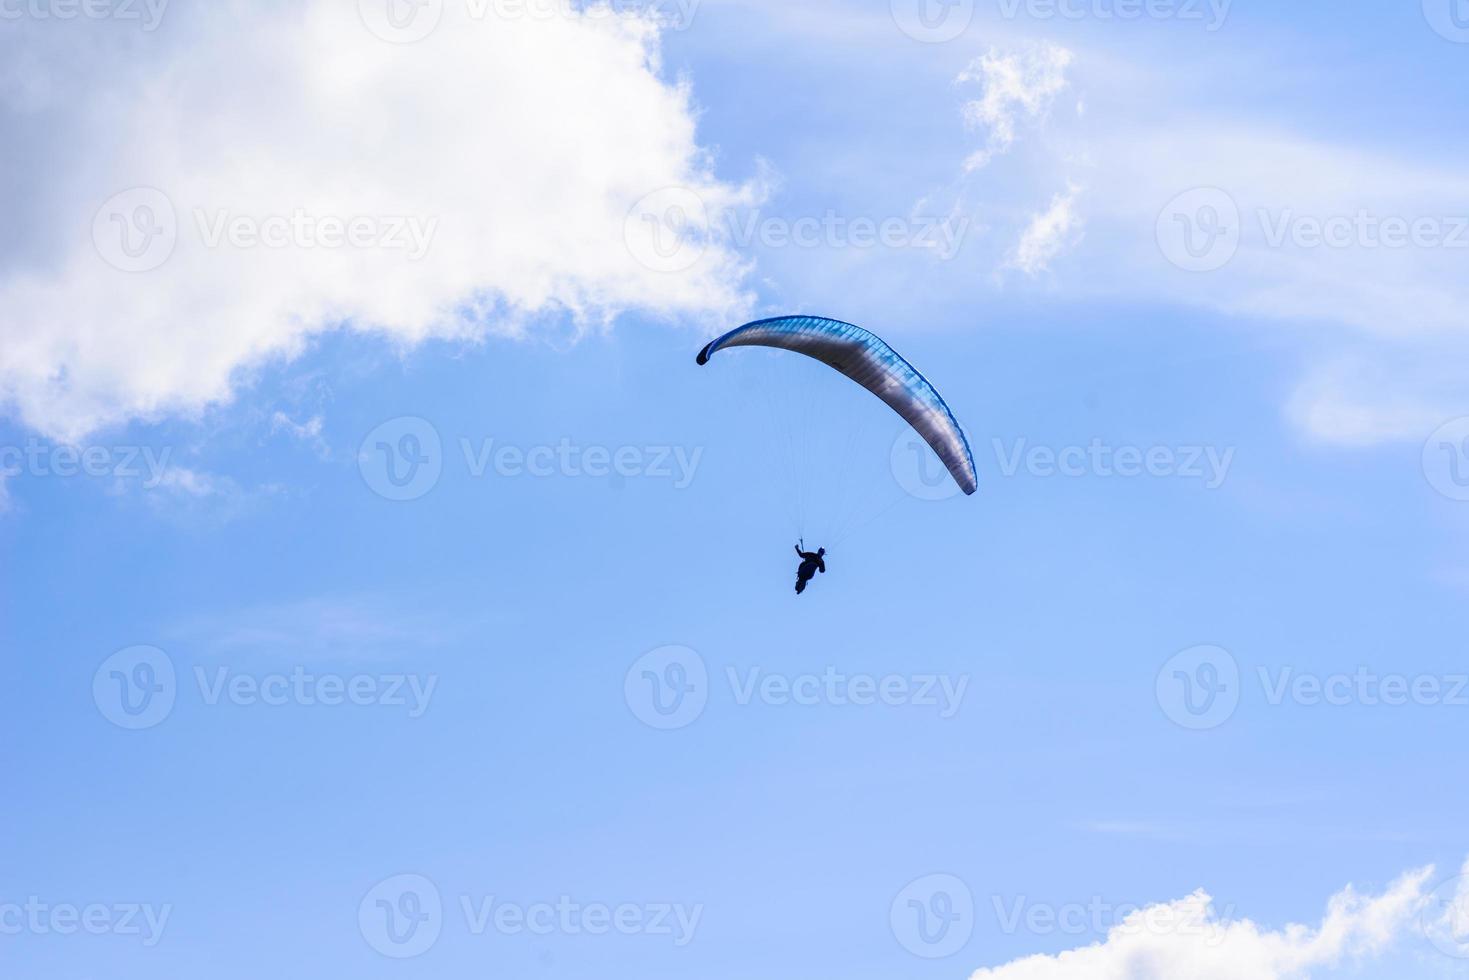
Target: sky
column 387, row 593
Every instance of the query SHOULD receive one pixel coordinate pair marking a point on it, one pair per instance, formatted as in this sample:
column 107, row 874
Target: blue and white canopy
column 865, row 358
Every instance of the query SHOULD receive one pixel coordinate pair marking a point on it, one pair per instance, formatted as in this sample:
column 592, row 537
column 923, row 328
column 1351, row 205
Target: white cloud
column 1361, row 249
column 1019, row 86
column 511, row 148
column 191, row 495
column 1188, row 938
column 1291, row 193
column 1361, row 398
column 186, row 494
column 308, row 432
column 1385, row 318
column 195, row 483
column 1446, row 916
column 1048, row 235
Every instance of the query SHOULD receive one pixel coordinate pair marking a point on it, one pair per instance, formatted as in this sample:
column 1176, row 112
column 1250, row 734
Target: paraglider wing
column 868, row 360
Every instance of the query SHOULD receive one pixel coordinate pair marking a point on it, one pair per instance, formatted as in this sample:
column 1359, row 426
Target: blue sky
column 996, row 726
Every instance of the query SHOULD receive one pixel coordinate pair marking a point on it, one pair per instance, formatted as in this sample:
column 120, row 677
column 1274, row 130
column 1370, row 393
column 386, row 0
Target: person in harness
column 811, row 563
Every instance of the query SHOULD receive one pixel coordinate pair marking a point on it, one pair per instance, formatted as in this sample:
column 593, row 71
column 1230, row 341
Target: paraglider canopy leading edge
column 867, row 359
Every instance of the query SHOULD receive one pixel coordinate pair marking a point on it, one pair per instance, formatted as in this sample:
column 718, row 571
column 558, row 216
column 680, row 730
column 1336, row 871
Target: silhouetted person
column 811, row 563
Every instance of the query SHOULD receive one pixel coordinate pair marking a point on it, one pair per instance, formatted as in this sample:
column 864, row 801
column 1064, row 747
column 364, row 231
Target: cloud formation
column 1049, row 234
column 1363, row 250
column 1187, row 938
column 197, row 201
column 1360, row 248
column 1018, row 87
